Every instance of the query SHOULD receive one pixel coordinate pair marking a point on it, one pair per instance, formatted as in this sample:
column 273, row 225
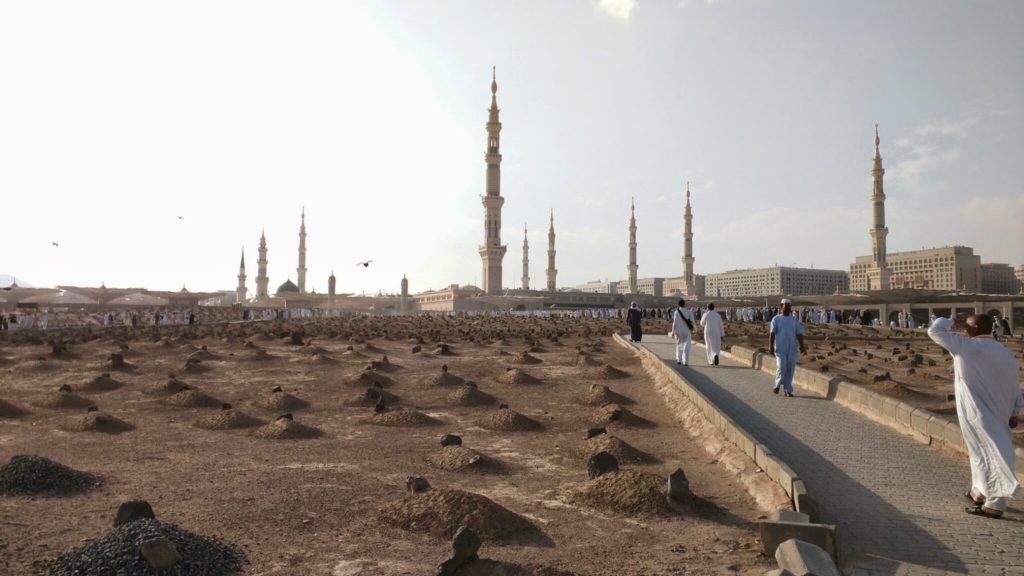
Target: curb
column 774, row 467
column 924, row 425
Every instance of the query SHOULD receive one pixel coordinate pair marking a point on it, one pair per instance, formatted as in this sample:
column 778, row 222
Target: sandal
column 979, row 510
column 970, row 496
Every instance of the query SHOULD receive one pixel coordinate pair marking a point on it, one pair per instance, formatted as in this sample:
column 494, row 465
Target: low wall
column 926, row 426
column 774, row 467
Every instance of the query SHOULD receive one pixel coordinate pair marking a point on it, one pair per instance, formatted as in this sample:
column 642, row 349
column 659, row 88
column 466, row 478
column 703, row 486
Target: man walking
column 711, row 321
column 988, row 404
column 785, row 332
column 682, row 327
column 634, row 318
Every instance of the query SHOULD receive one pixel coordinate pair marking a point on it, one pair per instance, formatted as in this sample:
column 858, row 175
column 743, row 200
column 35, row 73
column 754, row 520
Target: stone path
column 898, row 504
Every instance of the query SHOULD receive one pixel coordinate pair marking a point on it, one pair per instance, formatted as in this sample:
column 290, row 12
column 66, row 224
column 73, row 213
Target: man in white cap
column 713, row 332
column 786, row 331
column 988, row 404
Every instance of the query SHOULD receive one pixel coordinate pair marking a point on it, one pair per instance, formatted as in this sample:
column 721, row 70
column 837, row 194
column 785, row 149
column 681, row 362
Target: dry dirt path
column 898, row 504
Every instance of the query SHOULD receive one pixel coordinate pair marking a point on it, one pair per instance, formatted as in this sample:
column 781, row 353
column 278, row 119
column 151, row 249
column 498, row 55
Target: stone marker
column 64, row 388
column 678, row 486
column 502, row 406
column 788, row 515
column 160, row 553
column 451, row 440
column 417, row 349
column 286, row 416
column 417, row 484
column 93, row 408
column 596, row 432
column 804, row 559
column 132, row 510
column 775, row 532
column 117, row 360
column 465, row 546
column 599, row 463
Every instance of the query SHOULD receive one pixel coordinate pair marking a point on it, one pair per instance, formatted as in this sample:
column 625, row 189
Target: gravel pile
column 625, row 491
column 101, row 383
column 98, row 422
column 63, row 400
column 30, row 475
column 443, row 379
column 117, row 553
column 524, row 358
column 622, row 450
column 192, row 398
column 517, row 376
column 598, row 394
column 369, row 378
column 171, row 386
column 286, row 429
column 370, row 397
column 454, row 458
column 442, row 512
column 281, row 401
column 402, row 417
column 227, row 420
column 507, row 420
column 470, row 395
column 606, row 372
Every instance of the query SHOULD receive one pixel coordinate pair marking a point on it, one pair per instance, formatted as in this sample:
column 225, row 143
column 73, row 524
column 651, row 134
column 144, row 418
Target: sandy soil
column 899, row 363
column 324, row 492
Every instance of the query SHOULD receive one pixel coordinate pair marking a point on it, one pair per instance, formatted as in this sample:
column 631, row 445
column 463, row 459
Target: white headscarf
column 633, row 305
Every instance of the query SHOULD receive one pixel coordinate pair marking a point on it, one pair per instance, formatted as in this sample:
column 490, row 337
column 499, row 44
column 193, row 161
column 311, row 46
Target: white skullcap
column 787, row 301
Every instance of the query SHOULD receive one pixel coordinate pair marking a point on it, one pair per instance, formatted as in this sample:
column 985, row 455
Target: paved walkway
column 898, row 504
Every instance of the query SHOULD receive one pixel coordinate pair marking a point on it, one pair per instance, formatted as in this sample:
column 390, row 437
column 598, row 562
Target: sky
column 154, row 142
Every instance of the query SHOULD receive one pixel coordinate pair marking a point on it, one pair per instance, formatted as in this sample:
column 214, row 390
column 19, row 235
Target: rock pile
column 227, row 419
column 36, row 475
column 191, row 398
column 101, row 383
column 279, row 400
column 63, row 399
column 506, row 419
column 145, row 546
column 469, row 395
column 442, row 512
column 286, row 428
column 517, row 376
column 96, row 421
column 620, row 449
column 624, row 491
column 606, row 372
column 402, row 417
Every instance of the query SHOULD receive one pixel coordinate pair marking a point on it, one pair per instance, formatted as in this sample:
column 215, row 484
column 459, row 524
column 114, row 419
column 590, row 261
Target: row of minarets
column 552, row 272
column 492, row 252
column 878, row 228
column 526, row 260
column 689, row 286
column 262, row 280
column 632, row 267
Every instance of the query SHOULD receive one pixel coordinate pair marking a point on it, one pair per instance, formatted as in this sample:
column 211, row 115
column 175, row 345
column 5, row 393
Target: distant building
column 997, row 279
column 678, row 286
column 599, row 287
column 649, row 286
column 1018, row 275
column 946, row 268
column 775, row 281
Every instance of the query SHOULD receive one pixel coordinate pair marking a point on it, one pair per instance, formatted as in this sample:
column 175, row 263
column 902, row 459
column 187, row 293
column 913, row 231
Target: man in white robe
column 711, row 321
column 988, row 404
column 682, row 327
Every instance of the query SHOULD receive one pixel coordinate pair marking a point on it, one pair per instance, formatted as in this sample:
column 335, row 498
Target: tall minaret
column 492, row 252
column 632, row 248
column 404, row 302
column 332, row 285
column 526, row 260
column 261, row 271
column 552, row 272
column 301, row 270
column 689, row 287
column 880, row 270
column 240, row 291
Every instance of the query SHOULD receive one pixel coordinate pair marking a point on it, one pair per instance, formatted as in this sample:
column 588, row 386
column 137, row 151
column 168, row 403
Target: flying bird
column 181, row 217
column 364, row 264
column 55, row 245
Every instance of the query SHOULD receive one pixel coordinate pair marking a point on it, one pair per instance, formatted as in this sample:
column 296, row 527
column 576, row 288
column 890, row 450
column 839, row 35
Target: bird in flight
column 55, row 245
column 364, row 264
column 181, row 217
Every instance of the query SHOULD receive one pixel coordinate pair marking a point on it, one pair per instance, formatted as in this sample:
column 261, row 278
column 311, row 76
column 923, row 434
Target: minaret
column 240, row 291
column 880, row 272
column 301, row 270
column 404, row 304
column 492, row 252
column 261, row 271
column 552, row 272
column 526, row 260
column 689, row 287
column 632, row 248
column 332, row 284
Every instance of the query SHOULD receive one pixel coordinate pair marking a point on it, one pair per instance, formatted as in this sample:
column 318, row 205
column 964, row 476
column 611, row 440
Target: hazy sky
column 118, row 117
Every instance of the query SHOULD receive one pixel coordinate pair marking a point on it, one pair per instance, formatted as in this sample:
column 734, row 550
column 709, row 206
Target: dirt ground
column 336, row 503
column 900, row 363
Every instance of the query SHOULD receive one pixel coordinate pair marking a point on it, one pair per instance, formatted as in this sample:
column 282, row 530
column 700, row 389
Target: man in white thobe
column 988, row 404
column 711, row 321
column 682, row 323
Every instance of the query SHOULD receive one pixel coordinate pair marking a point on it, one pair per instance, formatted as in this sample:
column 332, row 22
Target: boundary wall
column 772, row 465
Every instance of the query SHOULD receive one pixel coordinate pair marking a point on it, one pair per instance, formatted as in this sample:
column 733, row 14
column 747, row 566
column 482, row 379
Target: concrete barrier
column 926, row 426
column 773, row 467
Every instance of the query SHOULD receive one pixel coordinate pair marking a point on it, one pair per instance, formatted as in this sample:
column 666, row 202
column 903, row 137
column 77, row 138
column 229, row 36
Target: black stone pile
column 35, row 475
column 144, row 546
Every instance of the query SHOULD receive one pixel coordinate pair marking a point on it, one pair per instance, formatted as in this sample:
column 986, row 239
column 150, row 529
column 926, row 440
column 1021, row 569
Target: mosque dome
column 287, row 287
